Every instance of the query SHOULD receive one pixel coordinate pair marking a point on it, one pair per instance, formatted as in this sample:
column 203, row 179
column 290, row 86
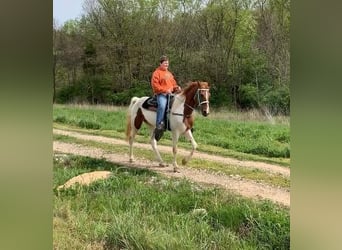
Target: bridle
column 198, row 97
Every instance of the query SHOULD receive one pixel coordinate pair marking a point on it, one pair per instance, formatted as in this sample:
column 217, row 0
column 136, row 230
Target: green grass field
column 140, row 209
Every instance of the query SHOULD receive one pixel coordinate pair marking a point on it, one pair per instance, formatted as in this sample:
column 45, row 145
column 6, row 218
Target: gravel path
column 243, row 187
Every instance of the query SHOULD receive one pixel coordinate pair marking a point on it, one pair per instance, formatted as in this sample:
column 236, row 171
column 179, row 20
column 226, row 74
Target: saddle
column 152, row 104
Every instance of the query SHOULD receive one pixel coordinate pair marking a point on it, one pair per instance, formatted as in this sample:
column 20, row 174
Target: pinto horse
column 195, row 94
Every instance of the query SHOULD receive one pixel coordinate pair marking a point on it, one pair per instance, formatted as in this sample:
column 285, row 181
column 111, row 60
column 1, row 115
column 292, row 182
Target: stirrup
column 158, row 133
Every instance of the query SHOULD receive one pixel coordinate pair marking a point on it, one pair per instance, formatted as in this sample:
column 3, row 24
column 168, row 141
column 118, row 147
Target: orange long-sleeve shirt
column 162, row 81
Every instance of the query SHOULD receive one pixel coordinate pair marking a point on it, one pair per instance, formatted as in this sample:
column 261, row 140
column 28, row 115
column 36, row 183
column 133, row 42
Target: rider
column 163, row 83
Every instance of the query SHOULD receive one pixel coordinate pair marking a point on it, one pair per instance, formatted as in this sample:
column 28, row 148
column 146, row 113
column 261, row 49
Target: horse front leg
column 190, row 137
column 175, row 137
column 155, row 149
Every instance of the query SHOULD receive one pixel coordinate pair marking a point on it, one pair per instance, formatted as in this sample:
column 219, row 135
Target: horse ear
column 207, row 84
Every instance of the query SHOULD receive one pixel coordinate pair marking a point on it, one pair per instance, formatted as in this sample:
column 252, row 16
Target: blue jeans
column 162, row 101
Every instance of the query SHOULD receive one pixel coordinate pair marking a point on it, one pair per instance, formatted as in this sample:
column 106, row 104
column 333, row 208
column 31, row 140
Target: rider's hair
column 163, row 58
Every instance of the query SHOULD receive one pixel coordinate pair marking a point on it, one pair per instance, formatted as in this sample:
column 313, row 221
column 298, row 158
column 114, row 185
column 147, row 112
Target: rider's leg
column 162, row 100
column 158, row 132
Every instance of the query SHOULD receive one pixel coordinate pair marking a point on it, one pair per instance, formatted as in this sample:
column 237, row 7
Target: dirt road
column 243, row 187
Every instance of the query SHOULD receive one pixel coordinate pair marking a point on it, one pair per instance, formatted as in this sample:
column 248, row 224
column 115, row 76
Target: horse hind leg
column 175, row 137
column 132, row 129
column 131, row 137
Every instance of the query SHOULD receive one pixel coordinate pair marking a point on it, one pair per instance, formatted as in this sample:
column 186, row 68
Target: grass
column 243, row 139
column 139, row 209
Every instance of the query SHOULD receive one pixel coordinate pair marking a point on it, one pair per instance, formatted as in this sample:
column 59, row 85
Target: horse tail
column 133, row 100
column 128, row 127
column 129, row 117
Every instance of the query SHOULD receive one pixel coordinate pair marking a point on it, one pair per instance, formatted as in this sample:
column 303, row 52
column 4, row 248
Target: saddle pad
column 150, row 102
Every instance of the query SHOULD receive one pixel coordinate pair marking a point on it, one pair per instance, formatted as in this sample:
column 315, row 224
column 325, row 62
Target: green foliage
column 66, row 94
column 76, row 93
column 98, row 90
column 277, row 100
column 219, row 96
column 227, row 43
column 138, row 209
column 71, row 27
column 138, row 89
column 248, row 96
column 89, row 59
column 90, row 89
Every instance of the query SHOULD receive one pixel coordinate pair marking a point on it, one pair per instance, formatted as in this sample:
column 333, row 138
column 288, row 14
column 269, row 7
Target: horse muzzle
column 205, row 113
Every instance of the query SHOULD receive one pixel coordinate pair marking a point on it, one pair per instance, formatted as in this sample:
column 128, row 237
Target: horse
column 181, row 119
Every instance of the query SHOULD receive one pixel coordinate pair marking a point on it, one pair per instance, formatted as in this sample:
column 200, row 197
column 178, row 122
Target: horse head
column 203, row 95
column 197, row 95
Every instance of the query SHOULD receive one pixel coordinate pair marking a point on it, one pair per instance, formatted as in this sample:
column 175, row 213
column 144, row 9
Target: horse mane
column 189, row 86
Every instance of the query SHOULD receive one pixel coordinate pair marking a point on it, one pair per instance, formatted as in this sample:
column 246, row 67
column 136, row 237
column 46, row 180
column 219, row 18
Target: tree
column 273, row 18
column 240, row 46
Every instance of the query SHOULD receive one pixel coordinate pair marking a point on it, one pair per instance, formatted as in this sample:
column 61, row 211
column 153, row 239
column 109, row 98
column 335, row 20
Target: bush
column 277, row 101
column 72, row 93
column 95, row 89
column 138, row 89
column 219, row 96
column 248, row 96
column 65, row 94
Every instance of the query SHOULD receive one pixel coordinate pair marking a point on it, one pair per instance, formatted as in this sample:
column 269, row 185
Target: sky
column 64, row 10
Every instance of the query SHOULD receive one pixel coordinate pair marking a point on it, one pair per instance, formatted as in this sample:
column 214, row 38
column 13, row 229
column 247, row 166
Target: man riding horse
column 163, row 84
column 194, row 95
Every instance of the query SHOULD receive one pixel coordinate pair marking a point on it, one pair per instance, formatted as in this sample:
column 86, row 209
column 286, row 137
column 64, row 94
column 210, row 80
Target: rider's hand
column 177, row 89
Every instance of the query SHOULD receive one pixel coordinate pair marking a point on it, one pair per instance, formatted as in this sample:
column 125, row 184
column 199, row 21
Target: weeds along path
column 200, row 155
column 243, row 187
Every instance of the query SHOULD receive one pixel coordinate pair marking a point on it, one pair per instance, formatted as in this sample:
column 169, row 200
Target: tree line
column 241, row 47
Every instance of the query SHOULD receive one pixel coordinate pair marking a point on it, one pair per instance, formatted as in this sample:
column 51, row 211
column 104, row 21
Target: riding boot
column 159, row 131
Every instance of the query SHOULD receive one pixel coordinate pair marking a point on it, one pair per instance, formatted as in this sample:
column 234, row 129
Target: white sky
column 64, row 10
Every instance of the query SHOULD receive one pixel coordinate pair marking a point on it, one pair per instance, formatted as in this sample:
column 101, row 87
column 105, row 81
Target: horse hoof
column 130, row 160
column 163, row 165
column 176, row 170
